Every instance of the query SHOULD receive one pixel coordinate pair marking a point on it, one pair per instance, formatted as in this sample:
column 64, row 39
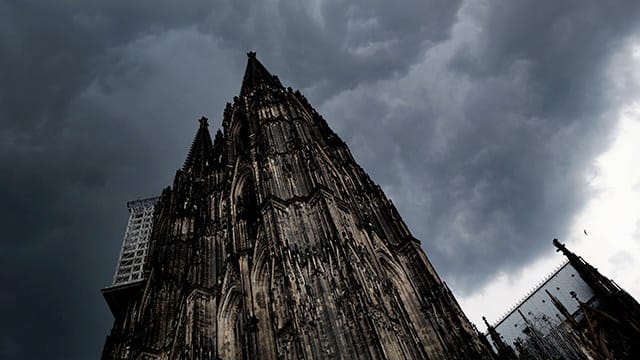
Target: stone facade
column 273, row 243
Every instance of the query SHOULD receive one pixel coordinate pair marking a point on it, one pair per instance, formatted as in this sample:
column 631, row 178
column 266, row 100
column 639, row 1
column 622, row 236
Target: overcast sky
column 494, row 126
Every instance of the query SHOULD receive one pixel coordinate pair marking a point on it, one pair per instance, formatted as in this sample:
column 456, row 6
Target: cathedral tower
column 273, row 243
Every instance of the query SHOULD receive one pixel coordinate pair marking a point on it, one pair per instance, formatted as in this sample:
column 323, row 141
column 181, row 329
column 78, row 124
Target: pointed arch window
column 246, row 214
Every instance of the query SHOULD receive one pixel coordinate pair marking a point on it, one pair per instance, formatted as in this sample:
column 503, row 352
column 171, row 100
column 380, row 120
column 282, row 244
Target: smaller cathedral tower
column 576, row 313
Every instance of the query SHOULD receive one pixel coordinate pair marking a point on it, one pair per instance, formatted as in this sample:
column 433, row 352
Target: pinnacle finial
column 201, row 152
column 560, row 247
column 574, row 295
column 486, row 322
column 251, row 54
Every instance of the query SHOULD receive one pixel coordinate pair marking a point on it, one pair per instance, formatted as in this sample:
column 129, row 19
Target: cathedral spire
column 598, row 282
column 256, row 74
column 562, row 309
column 200, row 157
column 504, row 351
column 562, row 248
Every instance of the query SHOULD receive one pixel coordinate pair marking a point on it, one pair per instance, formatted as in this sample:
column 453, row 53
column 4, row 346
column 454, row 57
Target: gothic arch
column 389, row 265
column 230, row 324
column 403, row 290
column 332, row 173
column 240, row 137
column 260, row 294
column 260, row 269
column 244, row 212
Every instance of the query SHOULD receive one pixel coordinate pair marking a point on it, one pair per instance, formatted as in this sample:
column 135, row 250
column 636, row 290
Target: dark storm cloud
column 480, row 135
column 97, row 106
column 496, row 130
column 325, row 46
column 68, row 167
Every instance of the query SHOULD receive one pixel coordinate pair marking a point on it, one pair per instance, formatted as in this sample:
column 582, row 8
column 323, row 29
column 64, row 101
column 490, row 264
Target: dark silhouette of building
column 273, row 243
column 576, row 313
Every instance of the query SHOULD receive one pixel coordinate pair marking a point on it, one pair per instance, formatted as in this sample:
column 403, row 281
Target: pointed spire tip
column 256, row 75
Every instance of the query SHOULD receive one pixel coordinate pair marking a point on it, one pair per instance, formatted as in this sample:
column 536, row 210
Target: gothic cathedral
column 273, row 243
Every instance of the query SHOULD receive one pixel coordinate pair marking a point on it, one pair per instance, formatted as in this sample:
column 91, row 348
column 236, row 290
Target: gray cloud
column 494, row 130
column 481, row 132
